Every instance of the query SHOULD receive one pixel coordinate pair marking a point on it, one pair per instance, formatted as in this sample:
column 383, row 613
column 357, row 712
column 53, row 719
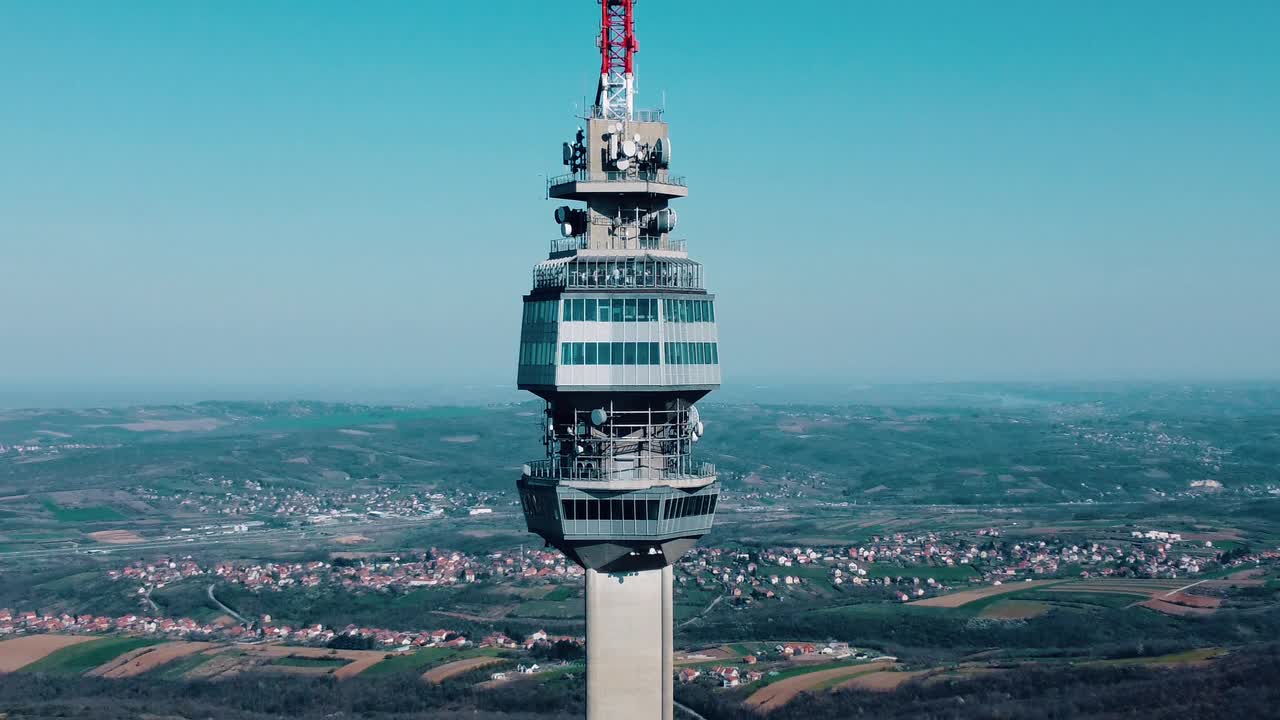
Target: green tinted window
column 591, row 353
column 590, row 312
column 617, row 353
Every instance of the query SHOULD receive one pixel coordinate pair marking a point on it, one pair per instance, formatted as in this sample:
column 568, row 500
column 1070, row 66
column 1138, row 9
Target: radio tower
column 619, row 339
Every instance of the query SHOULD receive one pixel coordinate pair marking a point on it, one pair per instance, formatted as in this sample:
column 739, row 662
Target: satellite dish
column 599, row 416
column 629, row 148
column 694, row 415
column 663, row 221
column 562, row 214
column 694, row 437
column 578, row 449
column 617, row 127
column 566, row 229
column 623, row 163
column 567, row 152
column 697, row 428
column 662, row 152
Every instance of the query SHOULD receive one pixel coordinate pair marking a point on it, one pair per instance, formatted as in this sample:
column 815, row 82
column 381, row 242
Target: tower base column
column 629, row 645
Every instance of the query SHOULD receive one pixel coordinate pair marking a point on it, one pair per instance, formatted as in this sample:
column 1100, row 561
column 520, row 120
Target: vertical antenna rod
column 615, row 100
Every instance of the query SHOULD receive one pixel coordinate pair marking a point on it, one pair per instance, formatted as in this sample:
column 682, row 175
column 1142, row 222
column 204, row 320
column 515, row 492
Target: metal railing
column 566, row 244
column 647, row 115
column 642, row 242
column 591, row 272
column 659, row 177
column 558, row 469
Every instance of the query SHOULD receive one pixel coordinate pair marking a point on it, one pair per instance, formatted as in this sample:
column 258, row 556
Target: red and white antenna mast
column 615, row 100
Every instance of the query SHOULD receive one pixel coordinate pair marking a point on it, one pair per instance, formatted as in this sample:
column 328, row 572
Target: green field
column 96, row 513
column 79, row 659
column 410, row 662
column 563, row 592
column 311, row 662
column 548, row 609
column 179, row 667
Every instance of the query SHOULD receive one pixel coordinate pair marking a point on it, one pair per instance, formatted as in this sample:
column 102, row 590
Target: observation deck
column 613, row 272
column 584, row 183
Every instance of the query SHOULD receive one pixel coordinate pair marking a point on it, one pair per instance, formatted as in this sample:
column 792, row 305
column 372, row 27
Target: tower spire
column 615, row 99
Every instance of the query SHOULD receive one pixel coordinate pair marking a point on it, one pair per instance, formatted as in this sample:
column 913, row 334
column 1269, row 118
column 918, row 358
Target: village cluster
column 29, row 621
column 905, row 564
column 433, row 568
column 250, row 498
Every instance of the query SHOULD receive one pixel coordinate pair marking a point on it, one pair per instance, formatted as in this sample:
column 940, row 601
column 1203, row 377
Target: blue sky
column 348, row 194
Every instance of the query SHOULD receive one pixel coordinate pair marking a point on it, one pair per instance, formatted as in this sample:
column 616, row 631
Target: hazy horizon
column 238, row 196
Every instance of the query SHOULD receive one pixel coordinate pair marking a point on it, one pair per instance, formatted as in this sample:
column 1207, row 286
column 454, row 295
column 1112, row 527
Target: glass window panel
column 653, row 309
column 617, row 508
column 567, row 507
column 616, row 310
column 606, row 510
column 715, row 354
column 579, row 353
column 617, row 353
column 630, row 353
column 642, row 310
column 593, row 509
column 667, row 509
column 642, row 353
column 628, row 509
column 642, row 512
column 565, row 355
column 591, row 353
column 629, row 310
column 579, row 307
column 652, row 509
column 711, row 308
column 602, row 313
column 603, row 354
column 697, row 311
column 589, row 313
column 580, row 509
column 653, row 354
column 714, row 499
column 568, row 310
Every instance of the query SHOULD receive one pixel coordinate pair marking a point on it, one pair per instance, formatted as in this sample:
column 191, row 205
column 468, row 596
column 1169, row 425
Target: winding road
column 224, row 608
column 688, row 711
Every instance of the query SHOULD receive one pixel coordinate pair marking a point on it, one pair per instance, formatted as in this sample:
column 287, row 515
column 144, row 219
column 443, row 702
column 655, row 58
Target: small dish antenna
column 599, row 416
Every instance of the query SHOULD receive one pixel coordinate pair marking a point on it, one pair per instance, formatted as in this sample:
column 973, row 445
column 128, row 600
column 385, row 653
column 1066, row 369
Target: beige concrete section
column 626, row 644
column 668, row 645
